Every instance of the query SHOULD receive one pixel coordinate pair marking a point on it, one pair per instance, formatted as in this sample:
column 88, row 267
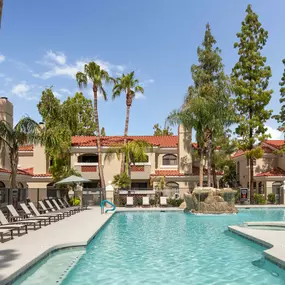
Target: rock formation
column 210, row 201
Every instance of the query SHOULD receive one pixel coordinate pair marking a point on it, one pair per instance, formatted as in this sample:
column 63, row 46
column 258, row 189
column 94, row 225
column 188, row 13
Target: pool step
column 52, row 270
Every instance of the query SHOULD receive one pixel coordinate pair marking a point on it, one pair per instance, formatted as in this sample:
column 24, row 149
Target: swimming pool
column 173, row 248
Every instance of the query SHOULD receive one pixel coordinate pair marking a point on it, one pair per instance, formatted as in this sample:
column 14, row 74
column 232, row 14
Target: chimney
column 6, row 110
column 185, row 150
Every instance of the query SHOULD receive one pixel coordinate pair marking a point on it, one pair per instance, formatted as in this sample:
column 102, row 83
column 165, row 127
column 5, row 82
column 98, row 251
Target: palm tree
column 27, row 131
column 128, row 84
column 1, row 9
column 134, row 151
column 97, row 77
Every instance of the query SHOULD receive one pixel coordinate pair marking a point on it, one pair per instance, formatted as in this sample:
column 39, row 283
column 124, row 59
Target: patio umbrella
column 73, row 180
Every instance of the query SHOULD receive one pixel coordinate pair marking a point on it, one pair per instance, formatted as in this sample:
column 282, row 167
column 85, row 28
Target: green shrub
column 237, row 196
column 174, row 202
column 258, row 199
column 271, row 198
column 75, row 201
column 152, row 202
column 138, row 201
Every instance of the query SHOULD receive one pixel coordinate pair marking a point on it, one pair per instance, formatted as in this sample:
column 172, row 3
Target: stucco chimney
column 185, row 150
column 6, row 114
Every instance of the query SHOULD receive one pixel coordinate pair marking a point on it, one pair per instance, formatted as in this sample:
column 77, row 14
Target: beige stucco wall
column 185, row 150
column 40, row 163
column 26, row 160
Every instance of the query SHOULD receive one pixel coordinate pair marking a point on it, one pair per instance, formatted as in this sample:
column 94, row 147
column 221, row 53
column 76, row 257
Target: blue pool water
column 176, row 248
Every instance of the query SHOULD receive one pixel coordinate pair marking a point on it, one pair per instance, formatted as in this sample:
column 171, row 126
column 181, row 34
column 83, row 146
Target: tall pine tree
column 211, row 84
column 250, row 78
column 281, row 116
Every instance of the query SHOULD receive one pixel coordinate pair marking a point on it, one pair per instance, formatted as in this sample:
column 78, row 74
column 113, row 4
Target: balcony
column 140, row 171
column 88, row 170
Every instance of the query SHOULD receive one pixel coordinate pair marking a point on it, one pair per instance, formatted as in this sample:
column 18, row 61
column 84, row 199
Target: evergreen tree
column 250, row 78
column 281, row 116
column 103, row 132
column 158, row 131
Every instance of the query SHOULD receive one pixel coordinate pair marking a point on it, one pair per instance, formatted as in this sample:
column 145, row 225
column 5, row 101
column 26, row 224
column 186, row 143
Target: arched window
column 169, row 159
column 172, row 185
column 2, row 192
column 88, row 158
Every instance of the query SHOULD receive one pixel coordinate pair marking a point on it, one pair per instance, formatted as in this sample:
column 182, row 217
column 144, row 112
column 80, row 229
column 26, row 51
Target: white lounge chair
column 163, row 201
column 23, row 220
column 130, row 201
column 14, row 226
column 6, row 231
column 145, row 201
column 65, row 213
column 30, row 215
column 45, row 209
column 73, row 208
column 57, row 207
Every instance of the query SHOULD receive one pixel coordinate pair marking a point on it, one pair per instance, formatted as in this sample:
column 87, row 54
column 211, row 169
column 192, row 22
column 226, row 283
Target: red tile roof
column 241, row 152
column 26, row 148
column 162, row 141
column 19, row 171
column 275, row 143
column 30, row 171
column 273, row 172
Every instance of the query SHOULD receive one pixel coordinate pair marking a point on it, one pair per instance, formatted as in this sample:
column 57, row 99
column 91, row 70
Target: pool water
column 175, row 248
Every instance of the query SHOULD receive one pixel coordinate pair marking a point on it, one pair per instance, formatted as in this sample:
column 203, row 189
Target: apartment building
column 269, row 170
column 171, row 158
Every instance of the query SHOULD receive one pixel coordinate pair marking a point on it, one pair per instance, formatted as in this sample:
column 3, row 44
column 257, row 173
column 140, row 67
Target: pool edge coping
column 268, row 254
column 28, row 266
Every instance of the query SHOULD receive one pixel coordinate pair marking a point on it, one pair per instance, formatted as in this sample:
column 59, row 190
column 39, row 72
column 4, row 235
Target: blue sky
column 44, row 43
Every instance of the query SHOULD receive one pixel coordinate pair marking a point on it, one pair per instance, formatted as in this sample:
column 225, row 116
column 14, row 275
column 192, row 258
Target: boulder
column 209, row 200
column 182, row 205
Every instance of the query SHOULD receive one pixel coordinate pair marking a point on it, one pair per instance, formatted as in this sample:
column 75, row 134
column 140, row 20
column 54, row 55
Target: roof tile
column 272, row 172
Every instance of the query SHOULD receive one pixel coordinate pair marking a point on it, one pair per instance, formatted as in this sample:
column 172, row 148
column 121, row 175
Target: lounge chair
column 46, row 210
column 6, row 231
column 163, row 201
column 57, row 207
column 14, row 226
column 145, row 201
column 65, row 213
column 74, row 208
column 130, row 201
column 28, row 221
column 56, row 217
column 30, row 215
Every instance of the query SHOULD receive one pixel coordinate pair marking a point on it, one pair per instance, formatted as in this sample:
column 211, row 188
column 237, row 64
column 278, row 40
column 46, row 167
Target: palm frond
column 81, row 79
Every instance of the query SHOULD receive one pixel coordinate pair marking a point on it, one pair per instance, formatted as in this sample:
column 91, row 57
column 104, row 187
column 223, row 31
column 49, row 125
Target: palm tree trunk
column 128, row 103
column 201, row 168
column 209, row 159
column 14, row 167
column 215, row 183
column 1, row 9
column 98, row 138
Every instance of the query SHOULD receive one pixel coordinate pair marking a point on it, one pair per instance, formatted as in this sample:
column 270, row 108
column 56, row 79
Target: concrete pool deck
column 274, row 240
column 16, row 256
column 19, row 254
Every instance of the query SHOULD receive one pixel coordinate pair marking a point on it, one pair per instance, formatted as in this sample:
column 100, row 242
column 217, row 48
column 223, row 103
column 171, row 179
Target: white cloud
column 64, row 90
column 22, row 90
column 139, row 96
column 57, row 57
column 2, row 58
column 58, row 66
column 56, row 94
column 275, row 134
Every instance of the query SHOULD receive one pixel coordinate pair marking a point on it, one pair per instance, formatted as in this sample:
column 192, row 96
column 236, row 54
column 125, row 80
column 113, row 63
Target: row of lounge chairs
column 49, row 212
column 145, row 201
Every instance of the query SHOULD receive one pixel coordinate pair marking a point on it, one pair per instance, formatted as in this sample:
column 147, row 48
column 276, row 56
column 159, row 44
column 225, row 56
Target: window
column 139, row 185
column 169, row 159
column 2, row 192
column 172, row 185
column 254, row 162
column 88, row 158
